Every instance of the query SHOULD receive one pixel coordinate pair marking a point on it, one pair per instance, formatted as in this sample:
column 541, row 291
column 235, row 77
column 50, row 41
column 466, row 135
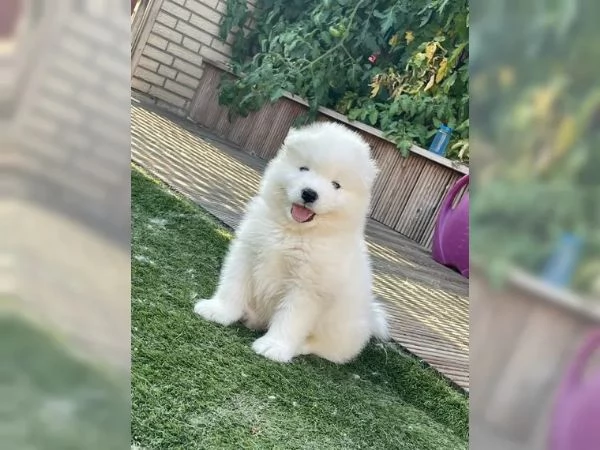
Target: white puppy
column 298, row 265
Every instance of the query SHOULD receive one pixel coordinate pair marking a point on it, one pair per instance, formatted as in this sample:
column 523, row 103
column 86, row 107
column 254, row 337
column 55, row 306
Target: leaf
column 388, row 22
column 430, row 83
column 565, row 136
column 404, row 147
column 442, row 70
column 456, row 54
column 375, row 85
column 450, row 82
column 426, row 18
column 276, row 94
column 353, row 114
column 430, row 50
column 440, row 113
column 373, row 117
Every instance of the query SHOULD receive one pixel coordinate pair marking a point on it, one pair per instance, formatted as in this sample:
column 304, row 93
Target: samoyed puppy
column 298, row 266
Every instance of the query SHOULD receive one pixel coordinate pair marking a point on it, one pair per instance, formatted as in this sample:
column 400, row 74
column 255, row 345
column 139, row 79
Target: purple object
column 451, row 235
column 576, row 419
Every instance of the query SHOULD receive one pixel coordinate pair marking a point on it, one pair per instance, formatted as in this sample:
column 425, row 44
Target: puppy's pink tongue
column 301, row 214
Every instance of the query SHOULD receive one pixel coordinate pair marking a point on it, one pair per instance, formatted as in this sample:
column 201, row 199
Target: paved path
column 428, row 303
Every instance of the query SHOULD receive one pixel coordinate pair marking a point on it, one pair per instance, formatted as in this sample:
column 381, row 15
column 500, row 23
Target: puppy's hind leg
column 234, row 290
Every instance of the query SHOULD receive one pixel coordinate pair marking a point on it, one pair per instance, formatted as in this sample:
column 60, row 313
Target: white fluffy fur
column 308, row 283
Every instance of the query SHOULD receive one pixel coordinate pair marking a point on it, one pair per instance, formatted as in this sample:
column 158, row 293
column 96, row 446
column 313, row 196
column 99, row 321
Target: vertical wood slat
column 423, row 202
column 408, row 191
column 401, row 186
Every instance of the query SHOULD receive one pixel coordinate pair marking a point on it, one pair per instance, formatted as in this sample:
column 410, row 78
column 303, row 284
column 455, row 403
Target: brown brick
column 158, row 55
column 199, row 6
column 175, row 10
column 179, row 89
column 167, row 33
column 148, row 63
column 208, row 13
column 213, row 55
column 148, row 76
column 167, row 72
column 185, row 54
column 190, row 44
column 205, row 25
column 157, row 41
column 187, row 80
column 194, row 33
column 221, row 7
column 221, row 46
column 167, row 96
column 166, row 19
column 190, row 69
column 174, row 109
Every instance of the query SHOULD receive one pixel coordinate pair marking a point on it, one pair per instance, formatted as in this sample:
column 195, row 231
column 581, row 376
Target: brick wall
column 182, row 33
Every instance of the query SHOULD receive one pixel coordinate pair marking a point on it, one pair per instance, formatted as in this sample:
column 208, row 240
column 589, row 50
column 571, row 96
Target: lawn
column 197, row 385
column 52, row 399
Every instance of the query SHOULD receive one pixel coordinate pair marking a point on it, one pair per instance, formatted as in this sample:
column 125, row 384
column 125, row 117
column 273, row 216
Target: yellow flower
column 409, row 36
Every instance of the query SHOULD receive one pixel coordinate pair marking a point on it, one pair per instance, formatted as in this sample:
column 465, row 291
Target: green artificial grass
column 51, row 399
column 198, row 385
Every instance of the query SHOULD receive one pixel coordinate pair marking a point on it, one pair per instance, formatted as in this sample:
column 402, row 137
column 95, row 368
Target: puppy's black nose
column 309, row 195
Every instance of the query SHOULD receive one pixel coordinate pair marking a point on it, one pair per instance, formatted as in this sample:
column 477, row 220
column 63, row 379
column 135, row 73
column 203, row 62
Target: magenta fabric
column 451, row 235
column 576, row 417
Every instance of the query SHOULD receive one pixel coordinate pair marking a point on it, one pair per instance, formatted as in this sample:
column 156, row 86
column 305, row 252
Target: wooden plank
column 202, row 107
column 528, row 378
column 143, row 30
column 423, row 199
column 388, row 162
column 495, row 328
column 400, row 188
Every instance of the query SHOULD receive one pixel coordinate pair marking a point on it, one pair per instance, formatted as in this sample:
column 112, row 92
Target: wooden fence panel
column 408, row 192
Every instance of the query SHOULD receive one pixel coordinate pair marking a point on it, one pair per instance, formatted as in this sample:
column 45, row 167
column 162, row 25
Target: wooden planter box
column 408, row 191
column 522, row 340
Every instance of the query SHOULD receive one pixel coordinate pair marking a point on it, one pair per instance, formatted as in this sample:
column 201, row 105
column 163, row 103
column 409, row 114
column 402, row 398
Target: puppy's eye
column 336, row 185
column 303, row 169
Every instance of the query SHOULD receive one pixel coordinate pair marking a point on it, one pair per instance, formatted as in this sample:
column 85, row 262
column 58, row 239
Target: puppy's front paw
column 215, row 311
column 271, row 349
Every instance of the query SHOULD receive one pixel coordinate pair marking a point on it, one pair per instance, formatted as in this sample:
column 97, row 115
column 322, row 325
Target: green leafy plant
column 398, row 66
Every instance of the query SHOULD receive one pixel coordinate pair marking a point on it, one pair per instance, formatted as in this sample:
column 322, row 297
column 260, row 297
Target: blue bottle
column 441, row 140
column 561, row 265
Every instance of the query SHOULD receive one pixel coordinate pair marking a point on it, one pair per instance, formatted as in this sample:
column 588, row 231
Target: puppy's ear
column 292, row 137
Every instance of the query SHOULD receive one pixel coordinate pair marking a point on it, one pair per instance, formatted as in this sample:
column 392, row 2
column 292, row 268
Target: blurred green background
column 535, row 115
